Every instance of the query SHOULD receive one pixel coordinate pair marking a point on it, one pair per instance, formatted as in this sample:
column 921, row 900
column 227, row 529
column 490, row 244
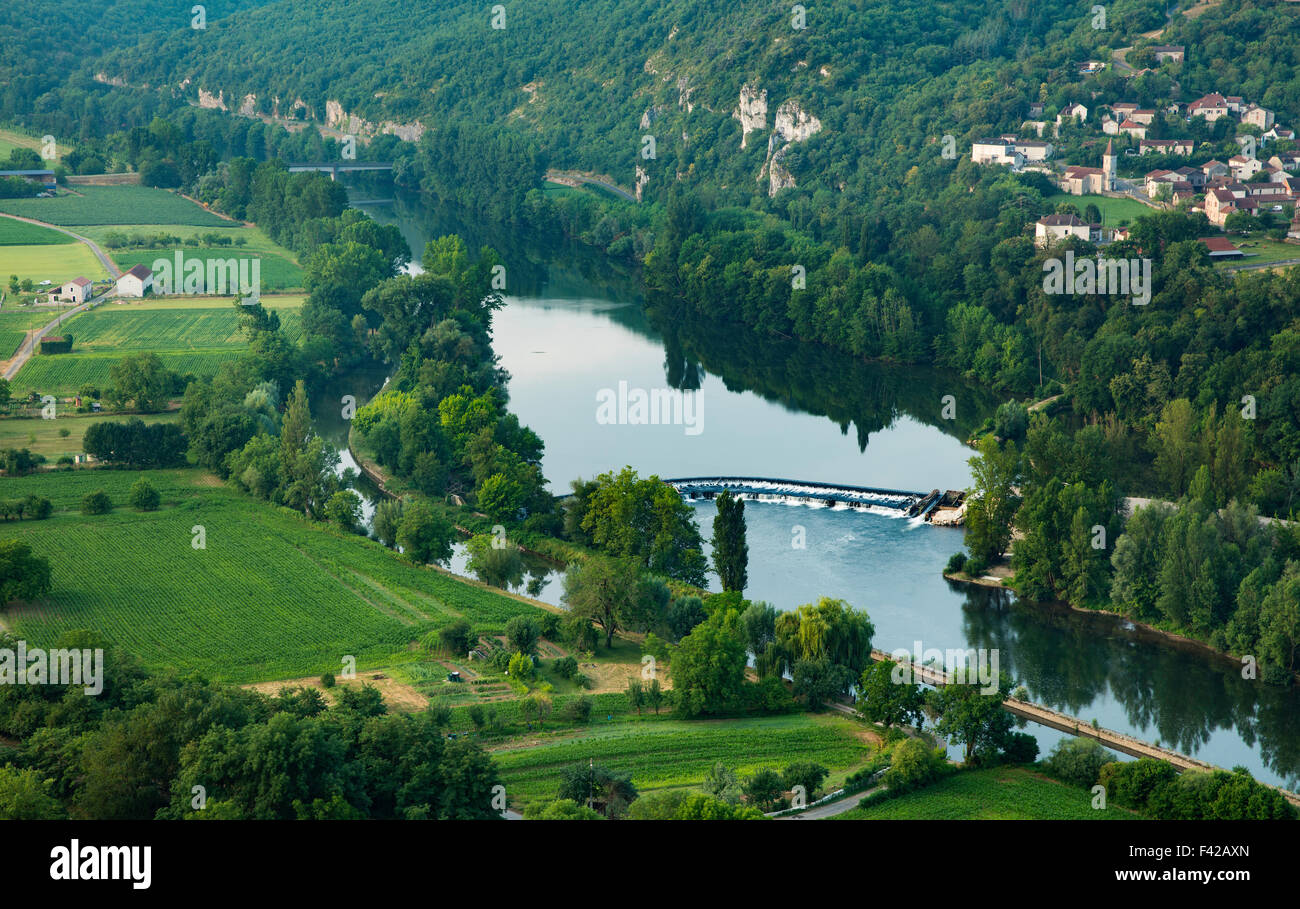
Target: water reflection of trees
column 1068, row 661
column 808, row 378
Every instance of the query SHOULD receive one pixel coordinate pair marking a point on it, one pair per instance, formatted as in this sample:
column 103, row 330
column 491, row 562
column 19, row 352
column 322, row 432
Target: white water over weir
column 819, row 495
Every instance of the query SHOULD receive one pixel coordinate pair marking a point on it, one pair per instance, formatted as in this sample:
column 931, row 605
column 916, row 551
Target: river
column 573, row 325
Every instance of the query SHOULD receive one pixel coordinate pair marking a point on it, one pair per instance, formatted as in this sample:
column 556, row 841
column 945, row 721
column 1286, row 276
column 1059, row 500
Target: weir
column 801, row 492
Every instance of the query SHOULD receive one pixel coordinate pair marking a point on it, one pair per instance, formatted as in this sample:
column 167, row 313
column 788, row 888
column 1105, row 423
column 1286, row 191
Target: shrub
column 565, row 667
column 956, row 562
column 523, row 632
column 521, row 667
column 456, row 637
column 578, row 710
column 96, row 502
column 143, row 496
column 327, row 680
column 1077, row 761
column 913, row 765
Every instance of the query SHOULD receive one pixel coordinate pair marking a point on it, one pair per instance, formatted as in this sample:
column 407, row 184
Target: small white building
column 1052, row 228
column 75, row 291
column 136, row 282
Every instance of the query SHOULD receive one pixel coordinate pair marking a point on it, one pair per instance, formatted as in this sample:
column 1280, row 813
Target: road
column 28, row 347
column 571, row 178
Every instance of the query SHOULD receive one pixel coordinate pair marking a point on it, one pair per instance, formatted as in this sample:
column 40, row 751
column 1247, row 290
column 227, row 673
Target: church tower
column 1108, row 164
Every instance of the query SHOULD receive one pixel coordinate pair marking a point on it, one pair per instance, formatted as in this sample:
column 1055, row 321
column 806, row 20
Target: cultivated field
column 190, row 335
column 276, row 272
column 665, row 753
column 270, row 597
column 43, row 436
column 999, row 793
column 114, row 205
column 20, row 233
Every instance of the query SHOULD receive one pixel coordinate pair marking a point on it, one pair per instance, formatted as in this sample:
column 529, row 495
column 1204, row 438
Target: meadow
column 272, row 596
column 998, row 793
column 665, row 753
column 48, row 262
column 114, row 205
column 42, row 436
column 1114, row 212
column 11, row 139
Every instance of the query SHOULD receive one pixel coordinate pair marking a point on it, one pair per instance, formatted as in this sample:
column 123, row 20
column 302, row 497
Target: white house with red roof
column 136, row 282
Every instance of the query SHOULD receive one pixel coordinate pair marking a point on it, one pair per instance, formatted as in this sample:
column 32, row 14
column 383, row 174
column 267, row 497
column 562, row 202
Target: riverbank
column 1150, row 632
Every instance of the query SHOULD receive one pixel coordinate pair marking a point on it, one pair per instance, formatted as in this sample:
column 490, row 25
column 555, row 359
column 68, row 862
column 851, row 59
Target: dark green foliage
column 133, row 443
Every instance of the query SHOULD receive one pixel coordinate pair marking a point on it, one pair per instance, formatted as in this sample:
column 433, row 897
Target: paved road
column 108, row 263
column 563, row 176
column 28, row 347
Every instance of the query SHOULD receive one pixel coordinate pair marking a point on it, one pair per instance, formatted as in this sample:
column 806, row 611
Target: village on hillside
column 1253, row 190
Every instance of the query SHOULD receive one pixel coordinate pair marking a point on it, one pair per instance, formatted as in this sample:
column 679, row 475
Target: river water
column 573, row 325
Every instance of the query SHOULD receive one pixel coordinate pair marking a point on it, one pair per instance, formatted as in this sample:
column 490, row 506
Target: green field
column 16, row 321
column 665, row 753
column 112, row 328
column 999, row 793
column 1114, row 212
column 114, row 205
column 19, row 433
column 189, row 335
column 53, row 263
column 10, row 139
column 271, row 596
column 276, row 272
column 63, row 374
column 1262, row 250
column 20, row 233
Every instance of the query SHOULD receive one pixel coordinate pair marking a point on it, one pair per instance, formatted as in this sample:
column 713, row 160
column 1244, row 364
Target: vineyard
column 664, row 753
column 19, row 233
column 1000, row 793
column 111, row 328
column 114, row 205
column 276, row 272
column 270, row 596
column 63, row 374
column 188, row 337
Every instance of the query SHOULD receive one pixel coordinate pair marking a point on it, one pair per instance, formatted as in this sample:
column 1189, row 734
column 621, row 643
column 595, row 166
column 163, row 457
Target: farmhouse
column 75, row 291
column 136, row 282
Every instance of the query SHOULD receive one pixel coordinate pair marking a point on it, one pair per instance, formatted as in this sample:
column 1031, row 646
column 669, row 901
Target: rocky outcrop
column 792, row 124
column 642, row 178
column 210, row 101
column 684, row 92
column 751, row 111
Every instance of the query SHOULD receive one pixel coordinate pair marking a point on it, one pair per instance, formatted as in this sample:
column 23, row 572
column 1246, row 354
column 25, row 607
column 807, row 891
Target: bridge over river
column 334, row 168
